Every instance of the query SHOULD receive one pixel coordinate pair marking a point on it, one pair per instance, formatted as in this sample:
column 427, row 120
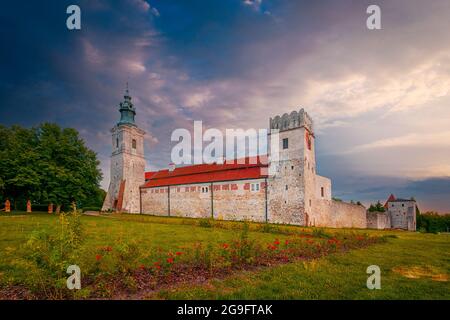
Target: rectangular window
column 133, row 143
column 322, row 192
column 254, row 187
column 285, row 143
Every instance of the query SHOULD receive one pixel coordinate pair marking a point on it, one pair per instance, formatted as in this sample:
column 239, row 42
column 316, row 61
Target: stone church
column 286, row 190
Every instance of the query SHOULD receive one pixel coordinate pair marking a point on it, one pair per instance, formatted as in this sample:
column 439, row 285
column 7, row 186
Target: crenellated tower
column 127, row 161
column 291, row 181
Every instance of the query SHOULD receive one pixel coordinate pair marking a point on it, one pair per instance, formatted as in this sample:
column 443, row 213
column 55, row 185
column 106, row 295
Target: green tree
column 47, row 164
column 18, row 157
column 69, row 170
column 378, row 207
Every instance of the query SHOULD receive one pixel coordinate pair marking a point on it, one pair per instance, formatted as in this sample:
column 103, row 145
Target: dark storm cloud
column 234, row 63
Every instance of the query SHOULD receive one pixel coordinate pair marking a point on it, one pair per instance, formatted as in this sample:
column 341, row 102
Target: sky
column 380, row 99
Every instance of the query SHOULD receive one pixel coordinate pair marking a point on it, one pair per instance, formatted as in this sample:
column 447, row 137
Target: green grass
column 337, row 276
column 343, row 275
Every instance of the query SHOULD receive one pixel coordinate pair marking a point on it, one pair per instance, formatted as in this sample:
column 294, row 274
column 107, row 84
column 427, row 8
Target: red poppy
column 169, row 260
column 142, row 267
column 276, row 242
column 286, row 242
column 178, row 253
column 225, row 245
column 98, row 257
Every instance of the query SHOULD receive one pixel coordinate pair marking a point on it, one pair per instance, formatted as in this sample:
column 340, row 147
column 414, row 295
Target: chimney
column 171, row 166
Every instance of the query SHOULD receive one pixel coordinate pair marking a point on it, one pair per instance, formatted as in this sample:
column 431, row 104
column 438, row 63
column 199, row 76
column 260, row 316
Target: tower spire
column 126, row 109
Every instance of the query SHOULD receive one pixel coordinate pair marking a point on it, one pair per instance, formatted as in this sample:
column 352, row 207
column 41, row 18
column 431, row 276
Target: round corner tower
column 127, row 162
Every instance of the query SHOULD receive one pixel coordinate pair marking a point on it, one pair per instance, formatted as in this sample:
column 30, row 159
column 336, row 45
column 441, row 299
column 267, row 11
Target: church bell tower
column 127, row 162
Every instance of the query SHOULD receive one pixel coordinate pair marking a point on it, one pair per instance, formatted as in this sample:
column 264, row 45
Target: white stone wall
column 235, row 200
column 228, row 200
column 338, row 214
column 378, row 220
column 191, row 200
column 127, row 164
column 323, row 185
column 403, row 214
column 155, row 201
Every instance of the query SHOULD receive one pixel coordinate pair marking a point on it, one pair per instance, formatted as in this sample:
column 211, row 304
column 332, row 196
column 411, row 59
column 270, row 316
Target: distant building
column 399, row 214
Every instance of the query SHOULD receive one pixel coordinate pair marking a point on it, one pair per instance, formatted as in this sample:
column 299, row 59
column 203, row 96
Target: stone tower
column 291, row 181
column 127, row 162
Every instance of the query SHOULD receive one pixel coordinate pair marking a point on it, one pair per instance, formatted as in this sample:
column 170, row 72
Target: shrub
column 48, row 256
column 205, row 223
column 320, row 233
column 433, row 222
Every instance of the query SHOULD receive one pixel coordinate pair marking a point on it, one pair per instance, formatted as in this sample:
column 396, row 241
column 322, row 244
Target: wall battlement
column 291, row 121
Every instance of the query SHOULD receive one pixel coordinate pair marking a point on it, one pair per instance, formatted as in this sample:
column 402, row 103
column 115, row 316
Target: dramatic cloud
column 380, row 99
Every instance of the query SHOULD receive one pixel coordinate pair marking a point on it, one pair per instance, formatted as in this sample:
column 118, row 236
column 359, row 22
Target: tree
column 17, row 164
column 47, row 164
column 69, row 169
column 378, row 207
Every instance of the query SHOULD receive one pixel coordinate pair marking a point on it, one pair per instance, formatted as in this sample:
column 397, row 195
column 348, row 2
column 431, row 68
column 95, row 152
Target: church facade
column 286, row 190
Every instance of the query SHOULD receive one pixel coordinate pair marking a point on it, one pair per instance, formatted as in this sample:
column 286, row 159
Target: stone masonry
column 286, row 190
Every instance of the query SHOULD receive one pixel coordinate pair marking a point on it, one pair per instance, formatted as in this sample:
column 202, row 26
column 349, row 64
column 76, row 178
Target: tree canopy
column 378, row 207
column 47, row 164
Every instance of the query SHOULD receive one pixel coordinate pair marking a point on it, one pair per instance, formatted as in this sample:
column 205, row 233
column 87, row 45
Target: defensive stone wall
column 378, row 220
column 190, row 201
column 338, row 214
column 230, row 200
column 237, row 200
column 155, row 201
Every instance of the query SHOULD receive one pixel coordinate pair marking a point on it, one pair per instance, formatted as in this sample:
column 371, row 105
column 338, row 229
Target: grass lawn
column 413, row 265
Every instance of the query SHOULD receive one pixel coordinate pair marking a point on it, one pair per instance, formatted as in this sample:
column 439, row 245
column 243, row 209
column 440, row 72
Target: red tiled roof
column 391, row 198
column 150, row 174
column 246, row 168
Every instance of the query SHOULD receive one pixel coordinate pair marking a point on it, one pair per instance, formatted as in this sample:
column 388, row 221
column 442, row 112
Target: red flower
column 286, row 242
column 169, row 260
column 108, row 248
column 178, row 253
column 334, row 241
column 276, row 242
column 156, row 265
column 225, row 245
column 142, row 267
column 271, row 247
column 98, row 257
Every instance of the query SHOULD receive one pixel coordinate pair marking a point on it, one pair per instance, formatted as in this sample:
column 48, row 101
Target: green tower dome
column 127, row 110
